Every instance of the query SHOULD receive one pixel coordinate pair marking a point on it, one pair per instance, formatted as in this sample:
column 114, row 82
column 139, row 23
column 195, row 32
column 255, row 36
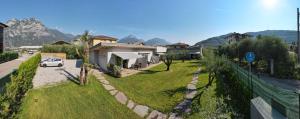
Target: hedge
column 20, row 83
column 70, row 50
column 8, row 56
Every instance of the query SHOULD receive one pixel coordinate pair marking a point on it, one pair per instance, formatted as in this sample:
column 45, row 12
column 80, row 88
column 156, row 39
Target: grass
column 208, row 103
column 71, row 101
column 157, row 88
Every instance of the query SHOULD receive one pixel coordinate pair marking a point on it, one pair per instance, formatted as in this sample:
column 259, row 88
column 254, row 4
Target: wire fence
column 283, row 100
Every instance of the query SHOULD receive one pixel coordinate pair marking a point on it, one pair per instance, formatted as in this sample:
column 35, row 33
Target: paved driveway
column 53, row 75
column 7, row 67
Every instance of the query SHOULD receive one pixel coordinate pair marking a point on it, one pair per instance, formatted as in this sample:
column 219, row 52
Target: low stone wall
column 54, row 55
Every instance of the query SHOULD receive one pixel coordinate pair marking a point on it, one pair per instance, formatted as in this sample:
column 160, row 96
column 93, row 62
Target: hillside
column 157, row 41
column 131, row 39
column 31, row 32
column 288, row 36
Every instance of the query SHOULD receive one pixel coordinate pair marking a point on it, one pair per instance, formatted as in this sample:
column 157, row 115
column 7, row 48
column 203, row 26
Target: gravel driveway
column 53, row 75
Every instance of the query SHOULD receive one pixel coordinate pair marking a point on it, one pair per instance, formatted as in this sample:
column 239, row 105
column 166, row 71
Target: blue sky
column 187, row 21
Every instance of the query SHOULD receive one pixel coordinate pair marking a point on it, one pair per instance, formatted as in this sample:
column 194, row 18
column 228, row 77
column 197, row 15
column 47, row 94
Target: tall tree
column 85, row 37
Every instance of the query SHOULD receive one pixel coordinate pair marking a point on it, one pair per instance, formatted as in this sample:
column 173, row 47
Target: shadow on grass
column 150, row 72
column 174, row 91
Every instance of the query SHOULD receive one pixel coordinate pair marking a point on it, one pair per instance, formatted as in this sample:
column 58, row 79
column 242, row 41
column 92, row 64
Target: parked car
column 52, row 62
column 30, row 52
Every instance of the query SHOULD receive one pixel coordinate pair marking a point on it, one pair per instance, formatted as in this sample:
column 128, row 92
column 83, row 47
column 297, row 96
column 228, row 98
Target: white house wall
column 103, row 57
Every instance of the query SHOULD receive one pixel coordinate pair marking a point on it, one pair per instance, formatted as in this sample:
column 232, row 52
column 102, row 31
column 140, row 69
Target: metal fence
column 283, row 100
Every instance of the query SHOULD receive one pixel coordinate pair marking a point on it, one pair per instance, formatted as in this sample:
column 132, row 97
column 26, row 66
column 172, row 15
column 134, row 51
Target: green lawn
column 157, row 88
column 71, row 101
column 208, row 103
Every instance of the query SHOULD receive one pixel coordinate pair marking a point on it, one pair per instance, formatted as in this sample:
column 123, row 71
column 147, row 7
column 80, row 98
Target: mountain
column 131, row 39
column 288, row 36
column 31, row 32
column 157, row 41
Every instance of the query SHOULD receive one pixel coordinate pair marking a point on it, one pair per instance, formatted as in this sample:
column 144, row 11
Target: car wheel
column 44, row 65
column 60, row 65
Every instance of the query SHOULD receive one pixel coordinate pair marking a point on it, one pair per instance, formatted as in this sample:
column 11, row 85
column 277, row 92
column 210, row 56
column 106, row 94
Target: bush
column 20, row 83
column 70, row 50
column 8, row 56
column 114, row 70
column 297, row 72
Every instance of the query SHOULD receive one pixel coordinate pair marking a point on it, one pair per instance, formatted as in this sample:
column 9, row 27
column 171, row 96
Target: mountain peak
column 31, row 31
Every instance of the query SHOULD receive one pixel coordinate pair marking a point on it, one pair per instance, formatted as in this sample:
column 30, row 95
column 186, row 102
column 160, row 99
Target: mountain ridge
column 31, row 31
column 288, row 36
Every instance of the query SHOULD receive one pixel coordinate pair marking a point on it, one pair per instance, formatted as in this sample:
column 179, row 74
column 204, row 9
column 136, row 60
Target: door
column 125, row 63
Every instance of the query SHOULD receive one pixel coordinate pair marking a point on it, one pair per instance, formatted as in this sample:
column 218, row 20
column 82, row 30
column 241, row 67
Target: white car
column 52, row 62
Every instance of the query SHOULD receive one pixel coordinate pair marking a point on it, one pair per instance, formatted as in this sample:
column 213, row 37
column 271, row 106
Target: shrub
column 20, row 83
column 8, row 56
column 297, row 72
column 70, row 50
column 114, row 70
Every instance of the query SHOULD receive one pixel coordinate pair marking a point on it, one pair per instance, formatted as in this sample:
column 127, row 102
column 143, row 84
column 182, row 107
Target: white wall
column 160, row 49
column 105, row 55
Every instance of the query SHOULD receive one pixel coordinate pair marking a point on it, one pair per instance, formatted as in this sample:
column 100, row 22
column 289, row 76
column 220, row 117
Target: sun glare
column 270, row 4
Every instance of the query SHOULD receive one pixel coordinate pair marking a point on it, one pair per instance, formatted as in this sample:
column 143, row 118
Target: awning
column 195, row 53
column 128, row 55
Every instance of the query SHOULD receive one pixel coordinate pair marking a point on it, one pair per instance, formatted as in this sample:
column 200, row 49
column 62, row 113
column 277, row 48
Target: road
column 7, row 67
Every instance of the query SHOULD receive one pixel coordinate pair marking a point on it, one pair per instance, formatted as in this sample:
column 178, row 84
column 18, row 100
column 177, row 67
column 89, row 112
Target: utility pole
column 298, row 41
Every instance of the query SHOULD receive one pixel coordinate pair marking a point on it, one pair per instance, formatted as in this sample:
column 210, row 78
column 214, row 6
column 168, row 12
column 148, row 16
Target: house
column 178, row 46
column 122, row 54
column 236, row 37
column 61, row 42
column 191, row 52
column 102, row 39
column 2, row 26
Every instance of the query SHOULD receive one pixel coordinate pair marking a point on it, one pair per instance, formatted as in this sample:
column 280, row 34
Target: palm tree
column 85, row 37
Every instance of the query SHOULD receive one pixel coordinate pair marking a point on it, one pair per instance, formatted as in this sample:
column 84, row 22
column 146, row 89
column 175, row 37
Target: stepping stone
column 141, row 110
column 157, row 115
column 195, row 79
column 130, row 104
column 173, row 116
column 194, row 82
column 184, row 104
column 121, row 98
column 104, row 81
column 108, row 87
column 153, row 115
column 188, row 111
column 191, row 87
column 190, row 94
column 113, row 92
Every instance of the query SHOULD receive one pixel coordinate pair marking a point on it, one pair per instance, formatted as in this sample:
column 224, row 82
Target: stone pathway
column 184, row 106
column 145, row 111
column 141, row 110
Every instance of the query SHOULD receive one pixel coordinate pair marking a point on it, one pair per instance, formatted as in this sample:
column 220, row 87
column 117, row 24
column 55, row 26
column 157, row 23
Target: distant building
column 2, row 26
column 191, row 52
column 61, row 43
column 236, row 37
column 102, row 39
column 178, row 46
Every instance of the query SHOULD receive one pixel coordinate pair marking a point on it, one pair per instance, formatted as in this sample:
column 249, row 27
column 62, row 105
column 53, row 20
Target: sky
column 188, row 21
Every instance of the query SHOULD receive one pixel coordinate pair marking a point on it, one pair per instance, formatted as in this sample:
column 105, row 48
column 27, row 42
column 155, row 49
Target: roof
column 181, row 44
column 121, row 45
column 60, row 43
column 3, row 25
column 104, row 37
column 128, row 55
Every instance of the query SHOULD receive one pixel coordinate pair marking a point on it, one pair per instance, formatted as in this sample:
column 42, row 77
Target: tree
column 168, row 59
column 273, row 50
column 245, row 46
column 85, row 37
column 183, row 54
column 215, row 65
